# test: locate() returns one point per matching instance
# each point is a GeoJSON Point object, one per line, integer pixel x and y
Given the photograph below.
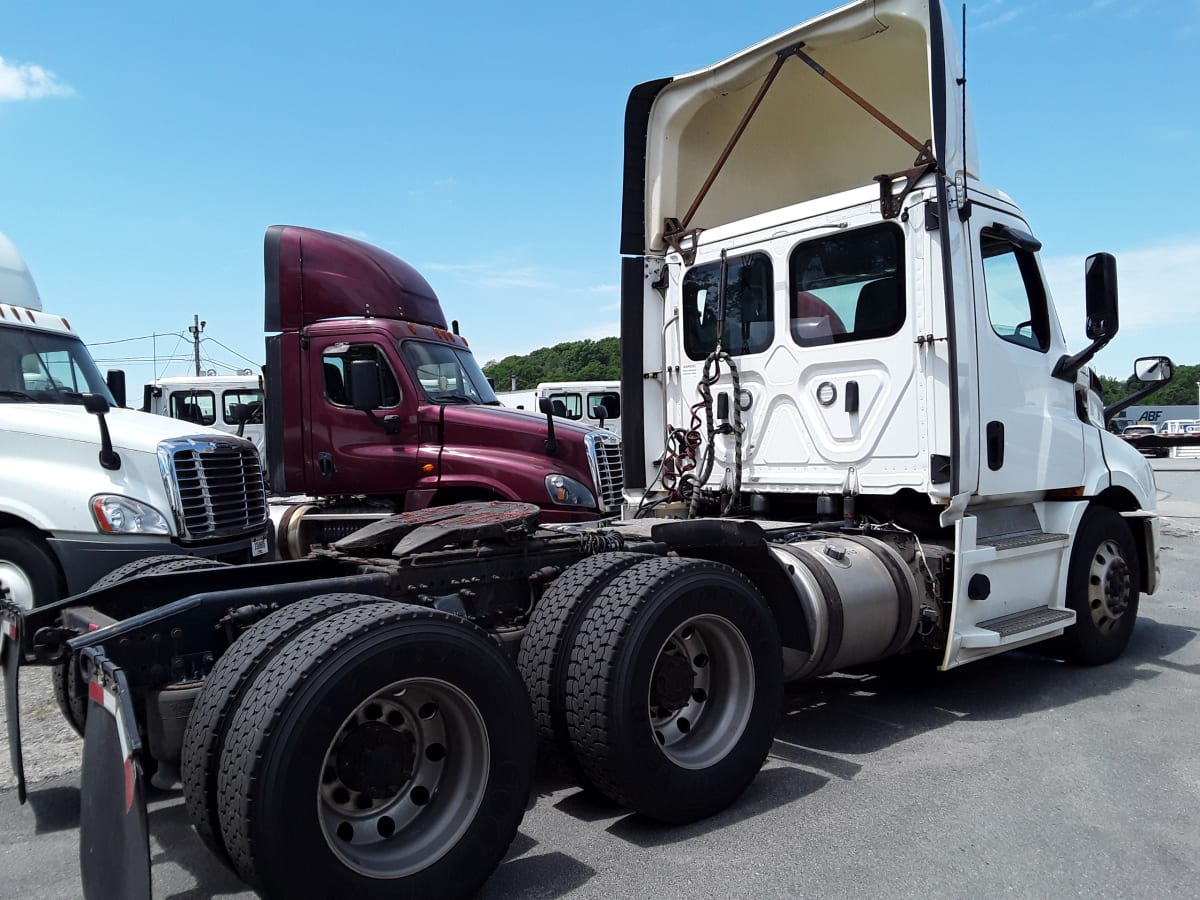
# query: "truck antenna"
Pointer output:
{"type": "Point", "coordinates": [962, 83]}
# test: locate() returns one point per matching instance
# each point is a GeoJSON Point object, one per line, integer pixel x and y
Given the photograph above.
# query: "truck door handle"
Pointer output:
{"type": "Point", "coordinates": [995, 445]}
{"type": "Point", "coordinates": [325, 464]}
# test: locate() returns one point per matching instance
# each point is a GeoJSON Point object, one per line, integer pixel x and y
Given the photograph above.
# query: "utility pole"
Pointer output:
{"type": "Point", "coordinates": [196, 328]}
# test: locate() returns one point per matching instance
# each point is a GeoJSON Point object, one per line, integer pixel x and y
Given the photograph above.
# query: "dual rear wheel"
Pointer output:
{"type": "Point", "coordinates": [394, 741]}
{"type": "Point", "coordinates": [658, 679]}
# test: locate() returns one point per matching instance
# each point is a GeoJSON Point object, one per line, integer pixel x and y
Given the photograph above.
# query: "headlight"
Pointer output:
{"type": "Point", "coordinates": [115, 514]}
{"type": "Point", "coordinates": [566, 491]}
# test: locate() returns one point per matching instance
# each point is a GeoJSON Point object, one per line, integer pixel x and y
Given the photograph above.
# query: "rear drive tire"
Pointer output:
{"type": "Point", "coordinates": [674, 688]}
{"type": "Point", "coordinates": [1103, 581]}
{"type": "Point", "coordinates": [223, 691]}
{"type": "Point", "coordinates": [385, 752]}
{"type": "Point", "coordinates": [70, 691]}
{"type": "Point", "coordinates": [546, 648]}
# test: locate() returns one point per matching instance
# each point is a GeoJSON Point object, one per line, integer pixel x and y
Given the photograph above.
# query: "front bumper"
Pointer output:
{"type": "Point", "coordinates": [84, 561]}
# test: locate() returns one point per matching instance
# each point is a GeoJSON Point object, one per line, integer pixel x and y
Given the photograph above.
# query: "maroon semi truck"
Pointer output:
{"type": "Point", "coordinates": [376, 406]}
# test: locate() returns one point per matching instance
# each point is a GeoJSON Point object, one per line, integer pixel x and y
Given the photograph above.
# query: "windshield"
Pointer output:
{"type": "Point", "coordinates": [41, 367]}
{"type": "Point", "coordinates": [447, 374]}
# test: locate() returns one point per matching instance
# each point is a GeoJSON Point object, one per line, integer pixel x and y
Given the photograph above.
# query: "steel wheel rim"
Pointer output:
{"type": "Point", "coordinates": [437, 757]}
{"type": "Point", "coordinates": [1110, 585]}
{"type": "Point", "coordinates": [701, 730]}
{"type": "Point", "coordinates": [15, 585]}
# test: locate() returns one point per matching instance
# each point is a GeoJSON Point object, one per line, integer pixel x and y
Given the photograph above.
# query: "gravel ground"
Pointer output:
{"type": "Point", "coordinates": [51, 747]}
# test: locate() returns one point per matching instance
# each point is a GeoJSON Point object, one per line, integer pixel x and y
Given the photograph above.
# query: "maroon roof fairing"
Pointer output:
{"type": "Point", "coordinates": [313, 275]}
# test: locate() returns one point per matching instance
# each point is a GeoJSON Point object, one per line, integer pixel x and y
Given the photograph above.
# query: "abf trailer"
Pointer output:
{"type": "Point", "coordinates": [849, 392]}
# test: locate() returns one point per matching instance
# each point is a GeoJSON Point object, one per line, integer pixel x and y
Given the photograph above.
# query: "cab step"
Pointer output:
{"type": "Point", "coordinates": [1017, 627]}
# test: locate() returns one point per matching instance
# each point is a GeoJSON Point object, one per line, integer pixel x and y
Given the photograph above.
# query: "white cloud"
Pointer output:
{"type": "Point", "coordinates": [1001, 18]}
{"type": "Point", "coordinates": [602, 289]}
{"type": "Point", "coordinates": [438, 184]}
{"type": "Point", "coordinates": [26, 81]}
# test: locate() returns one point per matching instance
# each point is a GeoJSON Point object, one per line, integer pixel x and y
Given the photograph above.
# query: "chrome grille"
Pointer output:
{"type": "Point", "coordinates": [604, 456]}
{"type": "Point", "coordinates": [217, 486]}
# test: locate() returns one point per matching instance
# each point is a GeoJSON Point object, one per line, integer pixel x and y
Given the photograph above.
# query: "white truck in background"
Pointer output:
{"type": "Point", "coordinates": [594, 403]}
{"type": "Point", "coordinates": [87, 486]}
{"type": "Point", "coordinates": [229, 403]}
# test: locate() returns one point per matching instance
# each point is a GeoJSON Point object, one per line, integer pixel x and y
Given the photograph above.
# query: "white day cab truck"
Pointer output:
{"type": "Point", "coordinates": [229, 403]}
{"type": "Point", "coordinates": [593, 403]}
{"type": "Point", "coordinates": [853, 430]}
{"type": "Point", "coordinates": [87, 487]}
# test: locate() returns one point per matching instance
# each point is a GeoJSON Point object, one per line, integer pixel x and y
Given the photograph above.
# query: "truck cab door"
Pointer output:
{"type": "Point", "coordinates": [352, 451]}
{"type": "Point", "coordinates": [1030, 435]}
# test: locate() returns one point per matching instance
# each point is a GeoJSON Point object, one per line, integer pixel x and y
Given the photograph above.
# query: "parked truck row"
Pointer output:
{"type": "Point", "coordinates": [852, 430]}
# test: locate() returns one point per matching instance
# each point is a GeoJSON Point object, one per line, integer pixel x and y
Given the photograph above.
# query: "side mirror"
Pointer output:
{"type": "Point", "coordinates": [1153, 372]}
{"type": "Point", "coordinates": [547, 409]}
{"type": "Point", "coordinates": [1100, 284]}
{"type": "Point", "coordinates": [1101, 289]}
{"type": "Point", "coordinates": [115, 379]}
{"type": "Point", "coordinates": [1153, 369]}
{"type": "Point", "coordinates": [95, 404]}
{"type": "Point", "coordinates": [365, 392]}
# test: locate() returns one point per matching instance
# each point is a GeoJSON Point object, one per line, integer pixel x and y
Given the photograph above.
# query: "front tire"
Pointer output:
{"type": "Point", "coordinates": [27, 569]}
{"type": "Point", "coordinates": [1102, 589]}
{"type": "Point", "coordinates": [674, 688]}
{"type": "Point", "coordinates": [387, 751]}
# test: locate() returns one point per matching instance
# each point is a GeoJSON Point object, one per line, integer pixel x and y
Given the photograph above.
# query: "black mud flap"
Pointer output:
{"type": "Point", "coordinates": [114, 839]}
{"type": "Point", "coordinates": [10, 662]}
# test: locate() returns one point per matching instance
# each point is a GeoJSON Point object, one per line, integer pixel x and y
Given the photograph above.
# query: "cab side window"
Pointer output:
{"type": "Point", "coordinates": [1016, 296]}
{"type": "Point", "coordinates": [747, 307]}
{"type": "Point", "coordinates": [847, 286]}
{"type": "Point", "coordinates": [335, 370]}
{"type": "Point", "coordinates": [567, 406]}
{"type": "Point", "coordinates": [197, 407]}
{"type": "Point", "coordinates": [250, 398]}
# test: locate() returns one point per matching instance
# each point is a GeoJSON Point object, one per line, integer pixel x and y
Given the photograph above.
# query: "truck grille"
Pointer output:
{"type": "Point", "coordinates": [604, 455]}
{"type": "Point", "coordinates": [216, 486]}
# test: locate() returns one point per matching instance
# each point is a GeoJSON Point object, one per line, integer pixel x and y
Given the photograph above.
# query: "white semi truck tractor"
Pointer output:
{"type": "Point", "coordinates": [853, 431]}
{"type": "Point", "coordinates": [87, 487]}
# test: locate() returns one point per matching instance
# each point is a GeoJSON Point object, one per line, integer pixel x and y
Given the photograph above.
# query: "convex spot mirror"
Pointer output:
{"type": "Point", "coordinates": [1153, 369]}
{"type": "Point", "coordinates": [1100, 277]}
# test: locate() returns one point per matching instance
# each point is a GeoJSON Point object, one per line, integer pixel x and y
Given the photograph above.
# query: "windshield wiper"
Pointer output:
{"type": "Point", "coordinates": [19, 395]}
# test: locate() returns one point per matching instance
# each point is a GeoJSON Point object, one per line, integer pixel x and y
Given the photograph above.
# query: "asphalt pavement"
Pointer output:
{"type": "Point", "coordinates": [1016, 776]}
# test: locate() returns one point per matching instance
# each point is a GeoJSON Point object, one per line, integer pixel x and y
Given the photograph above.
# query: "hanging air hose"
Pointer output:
{"type": "Point", "coordinates": [710, 376]}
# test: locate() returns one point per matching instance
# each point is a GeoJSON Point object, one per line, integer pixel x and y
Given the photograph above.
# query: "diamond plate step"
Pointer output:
{"type": "Point", "coordinates": [1016, 627]}
{"type": "Point", "coordinates": [1028, 539]}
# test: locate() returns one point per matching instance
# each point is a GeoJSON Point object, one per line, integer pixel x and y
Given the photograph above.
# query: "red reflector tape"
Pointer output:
{"type": "Point", "coordinates": [10, 629]}
{"type": "Point", "coordinates": [128, 784]}
{"type": "Point", "coordinates": [96, 692]}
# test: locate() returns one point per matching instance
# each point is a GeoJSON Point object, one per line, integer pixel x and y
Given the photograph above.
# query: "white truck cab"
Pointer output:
{"type": "Point", "coordinates": [826, 310]}
{"type": "Point", "coordinates": [87, 486]}
{"type": "Point", "coordinates": [594, 403]}
{"type": "Point", "coordinates": [214, 401]}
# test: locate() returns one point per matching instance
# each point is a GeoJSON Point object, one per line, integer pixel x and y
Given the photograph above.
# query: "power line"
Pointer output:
{"type": "Point", "coordinates": [144, 337]}
{"type": "Point", "coordinates": [231, 350]}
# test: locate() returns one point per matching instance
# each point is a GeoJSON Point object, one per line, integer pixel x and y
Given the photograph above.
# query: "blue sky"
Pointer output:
{"type": "Point", "coordinates": [145, 147]}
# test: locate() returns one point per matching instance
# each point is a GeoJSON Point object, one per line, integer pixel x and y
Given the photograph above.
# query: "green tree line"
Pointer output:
{"type": "Point", "coordinates": [569, 361]}
{"type": "Point", "coordinates": [601, 361]}
{"type": "Point", "coordinates": [1180, 392]}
